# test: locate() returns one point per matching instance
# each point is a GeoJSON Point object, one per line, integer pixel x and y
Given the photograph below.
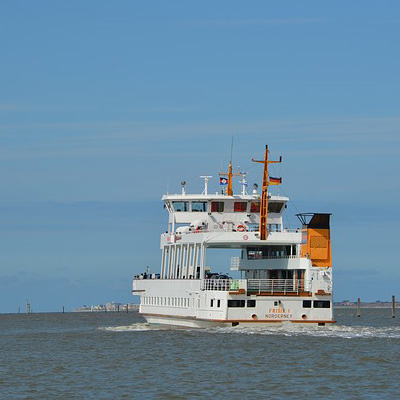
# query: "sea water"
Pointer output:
{"type": "Point", "coordinates": [118, 356]}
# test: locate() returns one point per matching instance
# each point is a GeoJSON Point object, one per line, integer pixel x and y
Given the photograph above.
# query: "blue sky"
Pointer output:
{"type": "Point", "coordinates": [104, 105]}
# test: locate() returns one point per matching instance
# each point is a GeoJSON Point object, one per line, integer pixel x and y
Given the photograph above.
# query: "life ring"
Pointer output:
{"type": "Point", "coordinates": [240, 228]}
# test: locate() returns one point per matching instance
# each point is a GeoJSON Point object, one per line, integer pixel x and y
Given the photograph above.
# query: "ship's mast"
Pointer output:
{"type": "Point", "coordinates": [230, 174]}
{"type": "Point", "coordinates": [264, 197]}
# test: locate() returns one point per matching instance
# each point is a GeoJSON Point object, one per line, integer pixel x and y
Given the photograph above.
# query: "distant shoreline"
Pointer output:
{"type": "Point", "coordinates": [367, 305]}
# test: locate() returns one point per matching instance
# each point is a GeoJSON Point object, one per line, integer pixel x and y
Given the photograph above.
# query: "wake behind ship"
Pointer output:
{"type": "Point", "coordinates": [286, 273]}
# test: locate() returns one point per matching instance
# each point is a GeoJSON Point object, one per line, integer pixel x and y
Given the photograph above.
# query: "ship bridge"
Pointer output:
{"type": "Point", "coordinates": [218, 212]}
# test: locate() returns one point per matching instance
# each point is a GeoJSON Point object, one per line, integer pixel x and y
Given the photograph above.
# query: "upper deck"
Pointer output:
{"type": "Point", "coordinates": [219, 211]}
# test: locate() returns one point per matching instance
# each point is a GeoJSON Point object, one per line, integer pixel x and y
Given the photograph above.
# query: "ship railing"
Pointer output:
{"type": "Point", "coordinates": [221, 284]}
{"type": "Point", "coordinates": [226, 228]}
{"type": "Point", "coordinates": [257, 257]}
{"type": "Point", "coordinates": [259, 286]}
{"type": "Point", "coordinates": [281, 286]}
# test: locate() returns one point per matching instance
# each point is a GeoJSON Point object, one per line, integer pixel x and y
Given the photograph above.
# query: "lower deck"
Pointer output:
{"type": "Point", "coordinates": [200, 302]}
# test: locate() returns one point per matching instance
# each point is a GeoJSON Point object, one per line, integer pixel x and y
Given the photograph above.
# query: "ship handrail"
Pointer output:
{"type": "Point", "coordinates": [279, 285]}
{"type": "Point", "coordinates": [274, 257]}
{"type": "Point", "coordinates": [258, 286]}
{"type": "Point", "coordinates": [231, 230]}
{"type": "Point", "coordinates": [223, 285]}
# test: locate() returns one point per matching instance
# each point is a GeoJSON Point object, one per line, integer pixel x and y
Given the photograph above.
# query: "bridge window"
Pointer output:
{"type": "Point", "coordinates": [180, 206]}
{"type": "Point", "coordinates": [255, 207]}
{"type": "Point", "coordinates": [254, 253]}
{"type": "Point", "coordinates": [275, 207]}
{"type": "Point", "coordinates": [240, 206]}
{"type": "Point", "coordinates": [217, 206]}
{"type": "Point", "coordinates": [199, 206]}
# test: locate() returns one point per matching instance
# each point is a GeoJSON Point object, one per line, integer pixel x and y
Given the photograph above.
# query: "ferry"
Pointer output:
{"type": "Point", "coordinates": [285, 274]}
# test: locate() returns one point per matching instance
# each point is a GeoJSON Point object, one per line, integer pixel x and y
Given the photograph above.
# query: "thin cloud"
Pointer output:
{"type": "Point", "coordinates": [176, 109]}
{"type": "Point", "coordinates": [131, 137]}
{"type": "Point", "coordinates": [230, 23]}
{"type": "Point", "coordinates": [11, 107]}
{"type": "Point", "coordinates": [334, 126]}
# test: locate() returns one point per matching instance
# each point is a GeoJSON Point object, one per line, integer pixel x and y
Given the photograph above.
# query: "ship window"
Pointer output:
{"type": "Point", "coordinates": [239, 206]}
{"type": "Point", "coordinates": [199, 206]}
{"type": "Point", "coordinates": [236, 303]}
{"type": "Point", "coordinates": [251, 303]}
{"type": "Point", "coordinates": [306, 303]}
{"type": "Point", "coordinates": [322, 304]}
{"type": "Point", "coordinates": [275, 207]}
{"type": "Point", "coordinates": [217, 206]}
{"type": "Point", "coordinates": [256, 253]}
{"type": "Point", "coordinates": [180, 206]}
{"type": "Point", "coordinates": [218, 303]}
{"type": "Point", "coordinates": [255, 207]}
{"type": "Point", "coordinates": [212, 303]}
{"type": "Point", "coordinates": [287, 274]}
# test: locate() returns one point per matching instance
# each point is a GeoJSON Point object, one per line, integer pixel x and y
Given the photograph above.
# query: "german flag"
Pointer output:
{"type": "Point", "coordinates": [275, 181]}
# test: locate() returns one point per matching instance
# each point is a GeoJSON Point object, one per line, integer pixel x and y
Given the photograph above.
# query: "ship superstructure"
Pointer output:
{"type": "Point", "coordinates": [286, 274]}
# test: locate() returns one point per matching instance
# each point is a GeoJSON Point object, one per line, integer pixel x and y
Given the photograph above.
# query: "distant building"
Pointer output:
{"type": "Point", "coordinates": [108, 307]}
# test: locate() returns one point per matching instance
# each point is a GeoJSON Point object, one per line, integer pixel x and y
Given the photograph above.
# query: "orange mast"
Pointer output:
{"type": "Point", "coordinates": [264, 197]}
{"type": "Point", "coordinates": [230, 174]}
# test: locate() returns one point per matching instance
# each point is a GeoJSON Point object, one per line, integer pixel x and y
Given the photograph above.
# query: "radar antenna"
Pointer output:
{"type": "Point", "coordinates": [206, 179]}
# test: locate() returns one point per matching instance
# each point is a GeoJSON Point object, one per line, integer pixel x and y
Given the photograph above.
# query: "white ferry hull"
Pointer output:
{"type": "Point", "coordinates": [180, 322]}
{"type": "Point", "coordinates": [188, 322]}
